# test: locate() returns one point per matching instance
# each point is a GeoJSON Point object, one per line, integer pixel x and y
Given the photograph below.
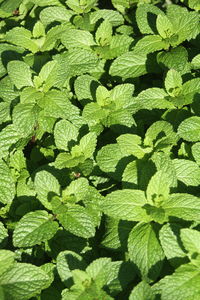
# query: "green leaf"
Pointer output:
{"type": "Point", "coordinates": [21, 37]}
{"type": "Point", "coordinates": [46, 185]}
{"type": "Point", "coordinates": [196, 62]}
{"type": "Point", "coordinates": [46, 2]}
{"type": "Point", "coordinates": [7, 187]}
{"type": "Point", "coordinates": [182, 206]}
{"type": "Point", "coordinates": [9, 5]}
{"type": "Point", "coordinates": [7, 259]}
{"type": "Point", "coordinates": [75, 62]}
{"type": "Point", "coordinates": [88, 144]}
{"type": "Point", "coordinates": [38, 30]}
{"type": "Point", "coordinates": [161, 135]}
{"type": "Point", "coordinates": [169, 236]}
{"type": "Point", "coordinates": [145, 17]}
{"type": "Point", "coordinates": [114, 17]}
{"type": "Point", "coordinates": [65, 133]}
{"type": "Point", "coordinates": [129, 65]}
{"type": "Point", "coordinates": [187, 171]}
{"type": "Point", "coordinates": [34, 228]}
{"type": "Point", "coordinates": [130, 144]}
{"type": "Point", "coordinates": [3, 235]}
{"type": "Point", "coordinates": [196, 152]}
{"type": "Point", "coordinates": [184, 22]}
{"type": "Point", "coordinates": [191, 240]}
{"type": "Point", "coordinates": [81, 7]}
{"type": "Point", "coordinates": [57, 105]}
{"type": "Point", "coordinates": [149, 44]}
{"type": "Point", "coordinates": [8, 137]}
{"type": "Point", "coordinates": [104, 33]}
{"type": "Point", "coordinates": [189, 129]}
{"type": "Point", "coordinates": [66, 262]}
{"type": "Point", "coordinates": [173, 83]}
{"type": "Point", "coordinates": [183, 284]}
{"type": "Point", "coordinates": [108, 157]}
{"type": "Point", "coordinates": [116, 233]}
{"type": "Point", "coordinates": [20, 74]}
{"type": "Point", "coordinates": [85, 87]}
{"type": "Point", "coordinates": [77, 221]}
{"type": "Point", "coordinates": [23, 281]}
{"type": "Point", "coordinates": [158, 188]}
{"type": "Point", "coordinates": [175, 58]}
{"type": "Point", "coordinates": [142, 291]}
{"type": "Point", "coordinates": [164, 26]}
{"type": "Point", "coordinates": [75, 38]}
{"type": "Point", "coordinates": [153, 98]}
{"type": "Point", "coordinates": [25, 118]}
{"type": "Point", "coordinates": [48, 75]}
{"type": "Point", "coordinates": [126, 205]}
{"type": "Point", "coordinates": [50, 14]}
{"type": "Point", "coordinates": [145, 251]}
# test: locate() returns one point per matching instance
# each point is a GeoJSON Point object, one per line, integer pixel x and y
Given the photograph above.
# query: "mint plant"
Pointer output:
{"type": "Point", "coordinates": [99, 149]}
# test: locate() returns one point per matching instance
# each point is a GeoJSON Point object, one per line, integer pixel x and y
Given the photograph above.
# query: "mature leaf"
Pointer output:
{"type": "Point", "coordinates": [149, 44]}
{"type": "Point", "coordinates": [146, 18]}
{"type": "Point", "coordinates": [169, 236]}
{"type": "Point", "coordinates": [21, 37]}
{"type": "Point", "coordinates": [51, 14]}
{"type": "Point", "coordinates": [78, 221]}
{"type": "Point", "coordinates": [23, 281]}
{"type": "Point", "coordinates": [142, 291]}
{"type": "Point", "coordinates": [3, 235]}
{"type": "Point", "coordinates": [66, 262]}
{"type": "Point", "coordinates": [145, 250]}
{"type": "Point", "coordinates": [34, 228]}
{"type": "Point", "coordinates": [126, 205]}
{"type": "Point", "coordinates": [108, 157]}
{"type": "Point", "coordinates": [153, 98]}
{"type": "Point", "coordinates": [187, 171]}
{"type": "Point", "coordinates": [189, 129]}
{"type": "Point", "coordinates": [182, 284]}
{"type": "Point", "coordinates": [64, 134]}
{"type": "Point", "coordinates": [46, 186]}
{"type": "Point", "coordinates": [6, 261]}
{"type": "Point", "coordinates": [182, 206]}
{"type": "Point", "coordinates": [191, 240]}
{"type": "Point", "coordinates": [114, 17]}
{"type": "Point", "coordinates": [129, 65]}
{"type": "Point", "coordinates": [20, 73]}
{"type": "Point", "coordinates": [74, 38]}
{"type": "Point", "coordinates": [7, 187]}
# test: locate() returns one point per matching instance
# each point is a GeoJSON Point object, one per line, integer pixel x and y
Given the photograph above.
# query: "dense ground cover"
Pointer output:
{"type": "Point", "coordinates": [99, 150]}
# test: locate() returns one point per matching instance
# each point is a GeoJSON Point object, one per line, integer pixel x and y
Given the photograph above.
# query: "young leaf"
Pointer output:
{"type": "Point", "coordinates": [164, 27]}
